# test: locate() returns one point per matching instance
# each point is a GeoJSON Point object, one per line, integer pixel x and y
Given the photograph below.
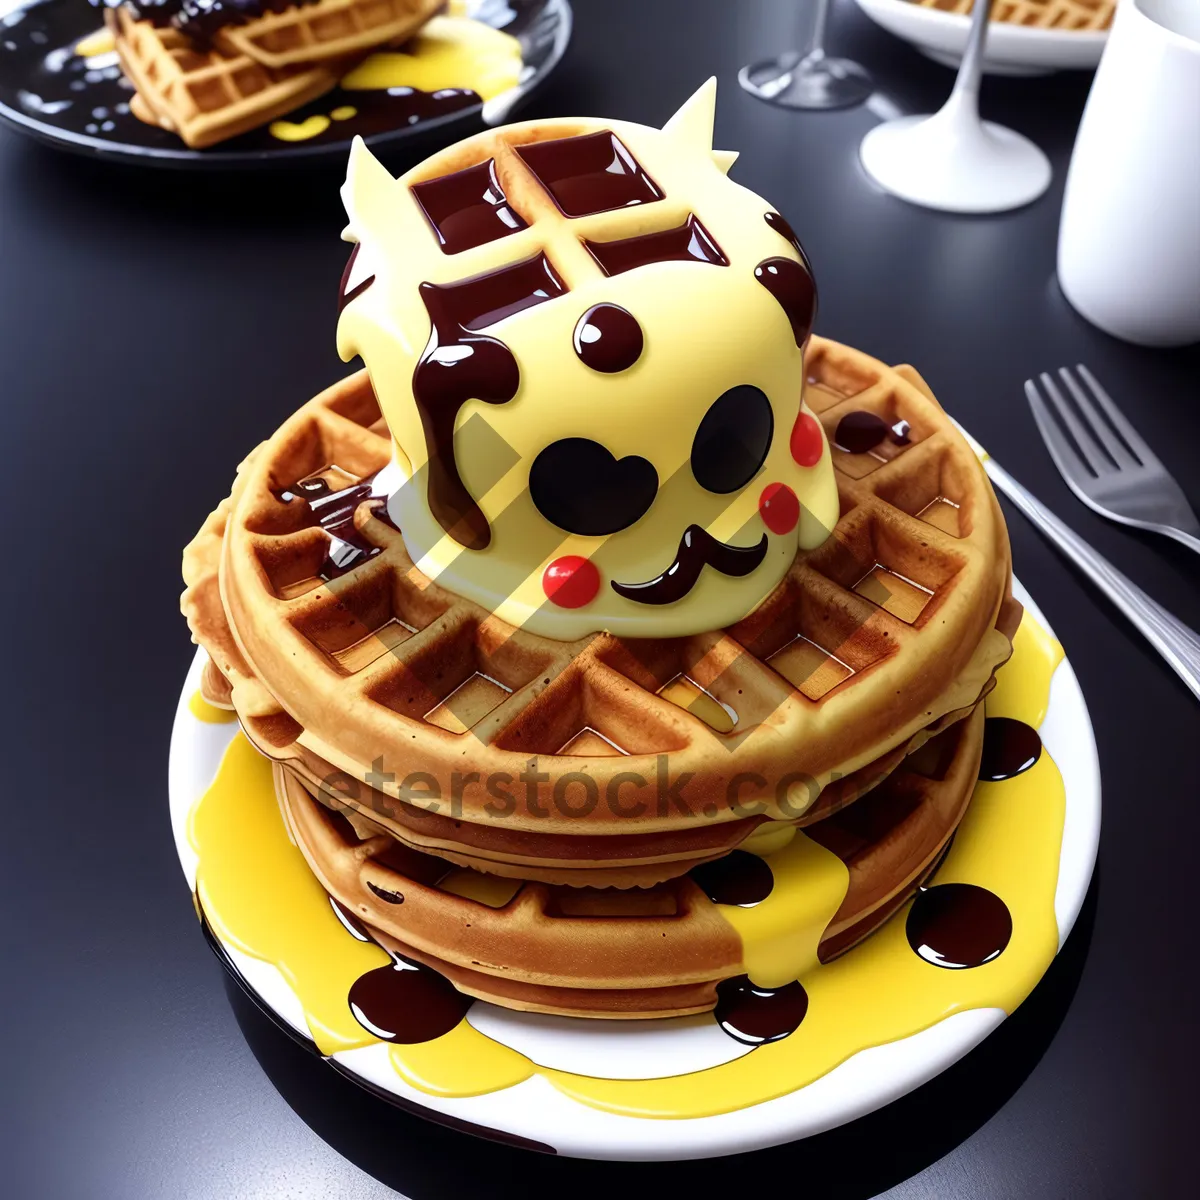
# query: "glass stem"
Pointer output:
{"type": "Point", "coordinates": [816, 49]}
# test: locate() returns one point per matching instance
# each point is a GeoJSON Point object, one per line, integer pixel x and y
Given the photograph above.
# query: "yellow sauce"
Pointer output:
{"type": "Point", "coordinates": [301, 131]}
{"type": "Point", "coordinates": [210, 714]}
{"type": "Point", "coordinates": [100, 42]}
{"type": "Point", "coordinates": [449, 52]}
{"type": "Point", "coordinates": [260, 896]}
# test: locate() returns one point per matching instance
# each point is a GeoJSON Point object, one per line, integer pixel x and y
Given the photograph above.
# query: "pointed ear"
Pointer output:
{"type": "Point", "coordinates": [366, 192]}
{"type": "Point", "coordinates": [693, 123]}
{"type": "Point", "coordinates": [724, 160]}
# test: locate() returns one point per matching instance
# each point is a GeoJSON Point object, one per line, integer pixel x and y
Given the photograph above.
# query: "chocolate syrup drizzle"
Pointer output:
{"type": "Point", "coordinates": [755, 1015]}
{"type": "Point", "coordinates": [860, 431]}
{"type": "Point", "coordinates": [958, 925]}
{"type": "Point", "coordinates": [739, 878]}
{"type": "Point", "coordinates": [780, 225]}
{"type": "Point", "coordinates": [792, 286]}
{"type": "Point", "coordinates": [202, 20]}
{"type": "Point", "coordinates": [1010, 748]}
{"type": "Point", "coordinates": [689, 242]}
{"type": "Point", "coordinates": [344, 296]}
{"type": "Point", "coordinates": [460, 365]}
{"type": "Point", "coordinates": [608, 339]}
{"type": "Point", "coordinates": [407, 1002]}
{"type": "Point", "coordinates": [697, 549]}
{"type": "Point", "coordinates": [334, 512]}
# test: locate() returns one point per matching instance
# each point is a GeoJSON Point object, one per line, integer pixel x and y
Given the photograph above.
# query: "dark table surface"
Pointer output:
{"type": "Point", "coordinates": [154, 327]}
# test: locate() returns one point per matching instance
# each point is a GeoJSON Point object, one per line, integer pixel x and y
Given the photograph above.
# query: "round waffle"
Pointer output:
{"type": "Point", "coordinates": [658, 951]}
{"type": "Point", "coordinates": [868, 642]}
{"type": "Point", "coordinates": [1079, 15]}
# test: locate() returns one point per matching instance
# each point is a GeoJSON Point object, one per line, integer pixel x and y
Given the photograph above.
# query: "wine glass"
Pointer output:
{"type": "Point", "coordinates": [812, 80]}
{"type": "Point", "coordinates": [953, 161]}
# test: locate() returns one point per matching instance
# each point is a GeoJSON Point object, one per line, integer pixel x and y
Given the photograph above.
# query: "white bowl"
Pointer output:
{"type": "Point", "coordinates": [1011, 49]}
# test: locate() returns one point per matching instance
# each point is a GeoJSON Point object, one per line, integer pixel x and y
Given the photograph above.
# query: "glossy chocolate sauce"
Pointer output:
{"type": "Point", "coordinates": [608, 339]}
{"type": "Point", "coordinates": [460, 365]}
{"type": "Point", "coordinates": [792, 286]}
{"type": "Point", "coordinates": [202, 20]}
{"type": "Point", "coordinates": [350, 920]}
{"type": "Point", "coordinates": [334, 513]}
{"type": "Point", "coordinates": [859, 432]}
{"type": "Point", "coordinates": [739, 878]}
{"type": "Point", "coordinates": [697, 549]}
{"type": "Point", "coordinates": [755, 1015]}
{"type": "Point", "coordinates": [590, 174]}
{"type": "Point", "coordinates": [958, 925]}
{"type": "Point", "coordinates": [1010, 748]}
{"type": "Point", "coordinates": [344, 295]}
{"type": "Point", "coordinates": [689, 242]}
{"type": "Point", "coordinates": [781, 226]}
{"type": "Point", "coordinates": [407, 1003]}
{"type": "Point", "coordinates": [468, 208]}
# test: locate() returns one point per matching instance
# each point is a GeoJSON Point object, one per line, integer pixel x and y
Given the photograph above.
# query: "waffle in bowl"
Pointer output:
{"type": "Point", "coordinates": [204, 94]}
{"type": "Point", "coordinates": [1089, 16]}
{"type": "Point", "coordinates": [653, 952]}
{"type": "Point", "coordinates": [378, 667]}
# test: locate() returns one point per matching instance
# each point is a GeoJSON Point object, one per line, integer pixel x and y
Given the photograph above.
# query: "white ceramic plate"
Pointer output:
{"type": "Point", "coordinates": [572, 1055]}
{"type": "Point", "coordinates": [1011, 49]}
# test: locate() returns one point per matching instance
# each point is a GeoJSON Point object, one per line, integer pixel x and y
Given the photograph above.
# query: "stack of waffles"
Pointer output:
{"type": "Point", "coordinates": [210, 71]}
{"type": "Point", "coordinates": [431, 759]}
{"type": "Point", "coordinates": [1083, 16]}
{"type": "Point", "coordinates": [617, 824]}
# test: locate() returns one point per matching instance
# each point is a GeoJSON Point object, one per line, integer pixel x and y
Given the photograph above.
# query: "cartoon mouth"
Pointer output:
{"type": "Point", "coordinates": [697, 549]}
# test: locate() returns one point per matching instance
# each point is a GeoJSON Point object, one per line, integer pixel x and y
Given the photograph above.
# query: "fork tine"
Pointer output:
{"type": "Point", "coordinates": [1133, 439]}
{"type": "Point", "coordinates": [1088, 446]}
{"type": "Point", "coordinates": [1098, 425]}
{"type": "Point", "coordinates": [1065, 457]}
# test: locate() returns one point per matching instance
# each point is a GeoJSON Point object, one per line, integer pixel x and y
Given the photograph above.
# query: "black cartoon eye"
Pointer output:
{"type": "Point", "coordinates": [578, 486]}
{"type": "Point", "coordinates": [733, 439]}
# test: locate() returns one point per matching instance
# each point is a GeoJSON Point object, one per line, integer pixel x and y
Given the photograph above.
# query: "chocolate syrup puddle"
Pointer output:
{"type": "Point", "coordinates": [689, 242]}
{"type": "Point", "coordinates": [859, 432]}
{"type": "Point", "coordinates": [407, 1003]}
{"type": "Point", "coordinates": [594, 173]}
{"type": "Point", "coordinates": [958, 925]}
{"type": "Point", "coordinates": [608, 339]}
{"type": "Point", "coordinates": [755, 1015]}
{"type": "Point", "coordinates": [334, 512]}
{"type": "Point", "coordinates": [697, 549]}
{"type": "Point", "coordinates": [467, 208]}
{"type": "Point", "coordinates": [460, 365]}
{"type": "Point", "coordinates": [1010, 748]}
{"type": "Point", "coordinates": [792, 286]}
{"type": "Point", "coordinates": [739, 878]}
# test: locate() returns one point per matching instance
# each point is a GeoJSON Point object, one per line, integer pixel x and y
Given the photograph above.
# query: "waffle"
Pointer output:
{"type": "Point", "coordinates": [324, 31]}
{"type": "Point", "coordinates": [1084, 16]}
{"type": "Point", "coordinates": [651, 952]}
{"type": "Point", "coordinates": [382, 666]}
{"type": "Point", "coordinates": [207, 96]}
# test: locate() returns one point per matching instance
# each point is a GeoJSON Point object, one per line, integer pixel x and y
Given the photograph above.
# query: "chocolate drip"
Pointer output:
{"type": "Point", "coordinates": [792, 286]}
{"type": "Point", "coordinates": [468, 208]}
{"type": "Point", "coordinates": [781, 226]}
{"type": "Point", "coordinates": [594, 173]}
{"type": "Point", "coordinates": [1010, 748]}
{"type": "Point", "coordinates": [350, 920]}
{"type": "Point", "coordinates": [958, 925]}
{"type": "Point", "coordinates": [608, 339]}
{"type": "Point", "coordinates": [459, 365]}
{"type": "Point", "coordinates": [859, 432]}
{"type": "Point", "coordinates": [697, 549]}
{"type": "Point", "coordinates": [689, 242]}
{"type": "Point", "coordinates": [202, 20]}
{"type": "Point", "coordinates": [739, 878]}
{"type": "Point", "coordinates": [334, 512]}
{"type": "Point", "coordinates": [757, 1015]}
{"type": "Point", "coordinates": [344, 296]}
{"type": "Point", "coordinates": [407, 1003]}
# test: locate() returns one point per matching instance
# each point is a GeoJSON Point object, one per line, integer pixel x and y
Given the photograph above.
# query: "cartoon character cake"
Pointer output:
{"type": "Point", "coordinates": [619, 645]}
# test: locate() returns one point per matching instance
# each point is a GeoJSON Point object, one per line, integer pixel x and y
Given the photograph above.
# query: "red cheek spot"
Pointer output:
{"type": "Point", "coordinates": [779, 508]}
{"type": "Point", "coordinates": [571, 581]}
{"type": "Point", "coordinates": [807, 442]}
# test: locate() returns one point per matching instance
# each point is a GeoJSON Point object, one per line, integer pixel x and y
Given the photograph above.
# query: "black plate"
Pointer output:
{"type": "Point", "coordinates": [47, 91]}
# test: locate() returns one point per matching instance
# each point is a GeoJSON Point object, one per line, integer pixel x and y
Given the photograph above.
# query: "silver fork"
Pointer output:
{"type": "Point", "coordinates": [1113, 471]}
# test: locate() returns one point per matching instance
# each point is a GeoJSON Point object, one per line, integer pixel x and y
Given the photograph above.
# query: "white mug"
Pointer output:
{"type": "Point", "coordinates": [1129, 243]}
